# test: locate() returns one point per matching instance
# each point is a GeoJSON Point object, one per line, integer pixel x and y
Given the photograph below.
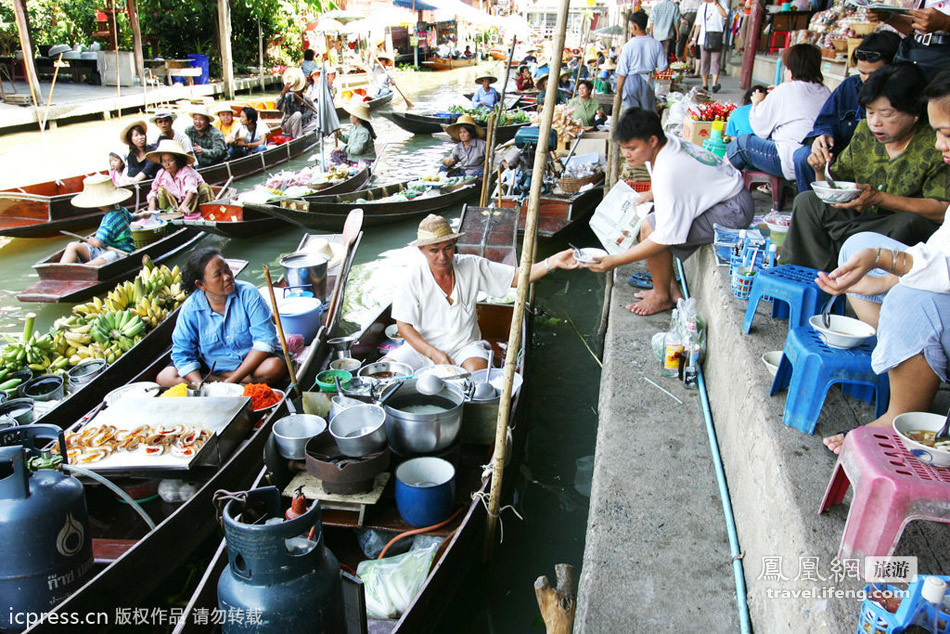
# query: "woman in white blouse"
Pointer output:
{"type": "Point", "coordinates": [905, 292]}
{"type": "Point", "coordinates": [709, 27]}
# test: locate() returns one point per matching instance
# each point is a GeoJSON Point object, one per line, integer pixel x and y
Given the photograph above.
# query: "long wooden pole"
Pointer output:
{"type": "Point", "coordinates": [490, 148]}
{"type": "Point", "coordinates": [224, 35]}
{"type": "Point", "coordinates": [613, 160]}
{"type": "Point", "coordinates": [29, 63]}
{"type": "Point", "coordinates": [590, 26]}
{"type": "Point", "coordinates": [393, 80]}
{"type": "Point", "coordinates": [486, 171]}
{"type": "Point", "coordinates": [137, 41]}
{"type": "Point", "coordinates": [524, 271]}
{"type": "Point", "coordinates": [280, 331]}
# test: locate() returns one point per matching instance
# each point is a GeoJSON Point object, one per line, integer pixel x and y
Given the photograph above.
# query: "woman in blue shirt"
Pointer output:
{"type": "Point", "coordinates": [224, 323]}
{"type": "Point", "coordinates": [738, 123]}
{"type": "Point", "coordinates": [485, 95]}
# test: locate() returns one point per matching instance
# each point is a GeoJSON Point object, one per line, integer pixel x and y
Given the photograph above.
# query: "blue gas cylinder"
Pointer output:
{"type": "Point", "coordinates": [280, 577]}
{"type": "Point", "coordinates": [45, 545]}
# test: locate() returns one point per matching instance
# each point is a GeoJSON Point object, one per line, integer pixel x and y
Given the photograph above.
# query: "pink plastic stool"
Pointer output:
{"type": "Point", "coordinates": [777, 183]}
{"type": "Point", "coordinates": [891, 488]}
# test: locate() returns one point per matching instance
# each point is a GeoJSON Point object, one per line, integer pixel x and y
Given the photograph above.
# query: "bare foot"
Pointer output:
{"type": "Point", "coordinates": [642, 294]}
{"type": "Point", "coordinates": [650, 304]}
{"type": "Point", "coordinates": [834, 443]}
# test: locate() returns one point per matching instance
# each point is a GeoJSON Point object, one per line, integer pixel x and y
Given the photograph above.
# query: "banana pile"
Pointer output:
{"type": "Point", "coordinates": [100, 328]}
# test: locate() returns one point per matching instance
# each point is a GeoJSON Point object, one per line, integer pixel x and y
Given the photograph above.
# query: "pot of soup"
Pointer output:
{"type": "Point", "coordinates": [385, 371]}
{"type": "Point", "coordinates": [418, 423]}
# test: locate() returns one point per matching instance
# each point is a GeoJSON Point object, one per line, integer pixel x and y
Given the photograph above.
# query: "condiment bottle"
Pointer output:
{"type": "Point", "coordinates": [673, 348]}
{"type": "Point", "coordinates": [927, 610]}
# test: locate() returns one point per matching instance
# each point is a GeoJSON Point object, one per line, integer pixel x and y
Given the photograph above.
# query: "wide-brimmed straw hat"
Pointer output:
{"type": "Point", "coordinates": [453, 129]}
{"type": "Point", "coordinates": [491, 79]}
{"type": "Point", "coordinates": [223, 108]}
{"type": "Point", "coordinates": [294, 78]}
{"type": "Point", "coordinates": [168, 146]}
{"type": "Point", "coordinates": [542, 77]}
{"type": "Point", "coordinates": [203, 112]}
{"type": "Point", "coordinates": [98, 190]}
{"type": "Point", "coordinates": [433, 230]}
{"type": "Point", "coordinates": [385, 56]}
{"type": "Point", "coordinates": [163, 114]}
{"type": "Point", "coordinates": [608, 65]}
{"type": "Point", "coordinates": [357, 108]}
{"type": "Point", "coordinates": [124, 134]}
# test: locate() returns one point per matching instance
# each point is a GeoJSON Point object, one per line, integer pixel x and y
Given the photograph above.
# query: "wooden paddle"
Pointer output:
{"type": "Point", "coordinates": [280, 331]}
{"type": "Point", "coordinates": [351, 230]}
{"type": "Point", "coordinates": [118, 252]}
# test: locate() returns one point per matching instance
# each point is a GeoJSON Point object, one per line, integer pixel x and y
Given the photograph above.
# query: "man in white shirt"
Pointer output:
{"type": "Point", "coordinates": [692, 189]}
{"type": "Point", "coordinates": [640, 57]}
{"type": "Point", "coordinates": [435, 307]}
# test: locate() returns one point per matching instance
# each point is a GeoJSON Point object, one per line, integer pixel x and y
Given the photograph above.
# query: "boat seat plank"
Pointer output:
{"type": "Point", "coordinates": [105, 551]}
{"type": "Point", "coordinates": [54, 290]}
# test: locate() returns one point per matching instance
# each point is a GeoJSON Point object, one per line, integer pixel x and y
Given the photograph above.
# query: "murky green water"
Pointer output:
{"type": "Point", "coordinates": [561, 400]}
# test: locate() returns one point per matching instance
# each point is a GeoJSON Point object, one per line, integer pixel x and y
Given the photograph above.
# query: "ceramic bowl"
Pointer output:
{"type": "Point", "coordinates": [843, 332]}
{"type": "Point", "coordinates": [845, 192]}
{"type": "Point", "coordinates": [771, 361]}
{"type": "Point", "coordinates": [392, 331]}
{"type": "Point", "coordinates": [912, 421]}
{"type": "Point", "coordinates": [588, 255]}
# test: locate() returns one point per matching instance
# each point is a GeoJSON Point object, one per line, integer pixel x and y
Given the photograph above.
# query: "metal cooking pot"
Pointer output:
{"type": "Point", "coordinates": [413, 432]}
{"type": "Point", "coordinates": [85, 372]}
{"type": "Point", "coordinates": [308, 270]}
{"type": "Point", "coordinates": [396, 369]}
{"type": "Point", "coordinates": [359, 430]}
{"type": "Point", "coordinates": [340, 402]}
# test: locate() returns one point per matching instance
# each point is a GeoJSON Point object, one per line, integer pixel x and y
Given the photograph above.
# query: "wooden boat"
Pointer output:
{"type": "Point", "coordinates": [132, 564]}
{"type": "Point", "coordinates": [228, 218]}
{"type": "Point", "coordinates": [511, 99]}
{"type": "Point", "coordinates": [43, 209]}
{"type": "Point", "coordinates": [419, 123]}
{"type": "Point", "coordinates": [372, 104]}
{"type": "Point", "coordinates": [558, 212]}
{"type": "Point", "coordinates": [440, 63]}
{"type": "Point", "coordinates": [491, 233]}
{"type": "Point", "coordinates": [498, 54]}
{"type": "Point", "coordinates": [329, 212]}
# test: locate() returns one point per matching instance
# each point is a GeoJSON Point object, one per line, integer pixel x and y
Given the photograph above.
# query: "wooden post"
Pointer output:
{"type": "Point", "coordinates": [590, 27]}
{"type": "Point", "coordinates": [137, 42]}
{"type": "Point", "coordinates": [557, 605]}
{"type": "Point", "coordinates": [613, 159]}
{"type": "Point", "coordinates": [524, 271]}
{"type": "Point", "coordinates": [23, 31]}
{"type": "Point", "coordinates": [224, 33]}
{"type": "Point", "coordinates": [752, 34]}
{"type": "Point", "coordinates": [486, 171]}
{"type": "Point", "coordinates": [260, 54]}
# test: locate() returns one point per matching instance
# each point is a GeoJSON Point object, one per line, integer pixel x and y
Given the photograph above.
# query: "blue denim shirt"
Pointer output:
{"type": "Point", "coordinates": [203, 336]}
{"type": "Point", "coordinates": [840, 114]}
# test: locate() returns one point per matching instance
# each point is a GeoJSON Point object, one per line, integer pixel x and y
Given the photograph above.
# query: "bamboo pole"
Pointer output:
{"type": "Point", "coordinates": [583, 62]}
{"type": "Point", "coordinates": [528, 248]}
{"type": "Point", "coordinates": [29, 62]}
{"type": "Point", "coordinates": [486, 171]}
{"type": "Point", "coordinates": [490, 148]}
{"type": "Point", "coordinates": [224, 44]}
{"type": "Point", "coordinates": [137, 41]}
{"type": "Point", "coordinates": [614, 154]}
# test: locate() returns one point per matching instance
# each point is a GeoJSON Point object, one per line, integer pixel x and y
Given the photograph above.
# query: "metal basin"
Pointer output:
{"type": "Point", "coordinates": [307, 270]}
{"type": "Point", "coordinates": [85, 372]}
{"type": "Point", "coordinates": [359, 430]}
{"type": "Point", "coordinates": [420, 423]}
{"type": "Point", "coordinates": [291, 433]}
{"type": "Point", "coordinates": [385, 371]}
{"type": "Point", "coordinates": [49, 387]}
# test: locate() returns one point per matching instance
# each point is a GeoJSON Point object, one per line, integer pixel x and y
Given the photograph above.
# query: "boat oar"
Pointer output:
{"type": "Point", "coordinates": [280, 331]}
{"type": "Point", "coordinates": [351, 230]}
{"type": "Point", "coordinates": [118, 252]}
{"type": "Point", "coordinates": [379, 155]}
{"type": "Point", "coordinates": [395, 85]}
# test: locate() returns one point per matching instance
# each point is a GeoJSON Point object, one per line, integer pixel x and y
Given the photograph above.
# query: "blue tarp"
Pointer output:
{"type": "Point", "coordinates": [418, 5]}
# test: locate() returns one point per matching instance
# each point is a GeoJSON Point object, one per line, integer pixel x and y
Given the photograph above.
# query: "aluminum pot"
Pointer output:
{"type": "Point", "coordinates": [48, 387]}
{"type": "Point", "coordinates": [340, 402]}
{"type": "Point", "coordinates": [412, 432]}
{"type": "Point", "coordinates": [359, 430]}
{"type": "Point", "coordinates": [385, 371]}
{"type": "Point", "coordinates": [85, 372]}
{"type": "Point", "coordinates": [291, 433]}
{"type": "Point", "coordinates": [307, 270]}
{"type": "Point", "coordinates": [19, 409]}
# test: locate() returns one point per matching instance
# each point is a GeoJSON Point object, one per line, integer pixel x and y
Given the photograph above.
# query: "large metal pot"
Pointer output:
{"type": "Point", "coordinates": [412, 430]}
{"type": "Point", "coordinates": [308, 270]}
{"type": "Point", "coordinates": [359, 430]}
{"type": "Point", "coordinates": [385, 371]}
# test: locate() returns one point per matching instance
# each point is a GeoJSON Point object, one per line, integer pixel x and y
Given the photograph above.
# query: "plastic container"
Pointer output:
{"type": "Point", "coordinates": [202, 62]}
{"type": "Point", "coordinates": [326, 382]}
{"type": "Point", "coordinates": [742, 282]}
{"type": "Point", "coordinates": [715, 144]}
{"type": "Point", "coordinates": [874, 618]}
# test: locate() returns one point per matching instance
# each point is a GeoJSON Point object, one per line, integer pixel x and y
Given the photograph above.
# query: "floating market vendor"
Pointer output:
{"type": "Point", "coordinates": [98, 191]}
{"type": "Point", "coordinates": [523, 81]}
{"type": "Point", "coordinates": [359, 139]}
{"type": "Point", "coordinates": [435, 304]}
{"type": "Point", "coordinates": [584, 107]}
{"type": "Point", "coordinates": [381, 80]}
{"type": "Point", "coordinates": [692, 189]}
{"type": "Point", "coordinates": [903, 289]}
{"type": "Point", "coordinates": [904, 182]}
{"type": "Point", "coordinates": [228, 126]}
{"type": "Point", "coordinates": [530, 57]}
{"type": "Point", "coordinates": [298, 110]}
{"type": "Point", "coordinates": [178, 186]}
{"type": "Point", "coordinates": [138, 168]}
{"type": "Point", "coordinates": [542, 84]}
{"type": "Point", "coordinates": [468, 153]}
{"type": "Point", "coordinates": [485, 95]}
{"type": "Point", "coordinates": [164, 120]}
{"type": "Point", "coordinates": [604, 85]}
{"type": "Point", "coordinates": [209, 144]}
{"type": "Point", "coordinates": [224, 323]}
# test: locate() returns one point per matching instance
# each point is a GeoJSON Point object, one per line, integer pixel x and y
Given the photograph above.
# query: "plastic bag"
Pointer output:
{"type": "Point", "coordinates": [390, 584]}
{"type": "Point", "coordinates": [372, 543]}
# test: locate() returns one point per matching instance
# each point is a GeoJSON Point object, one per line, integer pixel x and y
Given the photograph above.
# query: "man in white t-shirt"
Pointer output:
{"type": "Point", "coordinates": [435, 306]}
{"type": "Point", "coordinates": [692, 189]}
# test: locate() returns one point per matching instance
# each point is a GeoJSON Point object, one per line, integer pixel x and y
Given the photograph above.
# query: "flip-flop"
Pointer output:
{"type": "Point", "coordinates": [640, 280]}
{"type": "Point", "coordinates": [843, 432]}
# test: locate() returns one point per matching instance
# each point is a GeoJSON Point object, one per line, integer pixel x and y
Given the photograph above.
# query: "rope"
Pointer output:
{"type": "Point", "coordinates": [482, 497]}
{"type": "Point", "coordinates": [222, 497]}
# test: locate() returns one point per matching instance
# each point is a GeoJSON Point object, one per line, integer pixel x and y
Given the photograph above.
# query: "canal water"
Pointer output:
{"type": "Point", "coordinates": [553, 483]}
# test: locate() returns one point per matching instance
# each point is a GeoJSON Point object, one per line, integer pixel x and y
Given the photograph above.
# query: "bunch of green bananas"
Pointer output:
{"type": "Point", "coordinates": [116, 326]}
{"type": "Point", "coordinates": [36, 352]}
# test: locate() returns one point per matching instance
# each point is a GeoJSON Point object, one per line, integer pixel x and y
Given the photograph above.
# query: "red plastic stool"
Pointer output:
{"type": "Point", "coordinates": [786, 37]}
{"type": "Point", "coordinates": [777, 183]}
{"type": "Point", "coordinates": [891, 488]}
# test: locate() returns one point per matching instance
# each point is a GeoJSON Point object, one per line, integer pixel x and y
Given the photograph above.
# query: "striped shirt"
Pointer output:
{"type": "Point", "coordinates": [114, 230]}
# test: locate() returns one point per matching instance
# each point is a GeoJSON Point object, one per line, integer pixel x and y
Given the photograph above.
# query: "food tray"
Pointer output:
{"type": "Point", "coordinates": [227, 418]}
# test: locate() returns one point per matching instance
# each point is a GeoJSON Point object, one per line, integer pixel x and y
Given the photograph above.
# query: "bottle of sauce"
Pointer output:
{"type": "Point", "coordinates": [927, 610]}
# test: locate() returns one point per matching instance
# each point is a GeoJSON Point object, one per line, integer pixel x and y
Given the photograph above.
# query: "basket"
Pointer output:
{"type": "Point", "coordinates": [640, 186]}
{"type": "Point", "coordinates": [874, 619]}
{"type": "Point", "coordinates": [145, 237]}
{"type": "Point", "coordinates": [572, 185]}
{"type": "Point", "coordinates": [742, 284]}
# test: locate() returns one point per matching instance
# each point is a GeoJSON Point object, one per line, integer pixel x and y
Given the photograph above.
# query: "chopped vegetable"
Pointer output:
{"type": "Point", "coordinates": [261, 395]}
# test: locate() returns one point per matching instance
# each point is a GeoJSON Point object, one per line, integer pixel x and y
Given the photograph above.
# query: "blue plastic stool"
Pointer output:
{"type": "Point", "coordinates": [795, 295]}
{"type": "Point", "coordinates": [809, 367]}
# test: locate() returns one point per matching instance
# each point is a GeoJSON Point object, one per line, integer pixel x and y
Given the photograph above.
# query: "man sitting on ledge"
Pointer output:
{"type": "Point", "coordinates": [435, 306]}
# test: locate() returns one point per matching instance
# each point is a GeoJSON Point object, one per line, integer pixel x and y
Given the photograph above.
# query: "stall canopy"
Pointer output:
{"type": "Point", "coordinates": [416, 5]}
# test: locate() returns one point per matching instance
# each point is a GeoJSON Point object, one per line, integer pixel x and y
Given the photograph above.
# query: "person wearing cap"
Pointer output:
{"type": "Point", "coordinates": [523, 81]}
{"type": "Point", "coordinates": [208, 142]}
{"type": "Point", "coordinates": [435, 305]}
{"type": "Point", "coordinates": [228, 126]}
{"type": "Point", "coordinates": [313, 86]}
{"type": "Point", "coordinates": [530, 57]}
{"type": "Point", "coordinates": [297, 109]}
{"type": "Point", "coordinates": [604, 85]}
{"type": "Point", "coordinates": [381, 79]}
{"type": "Point", "coordinates": [164, 120]}
{"type": "Point", "coordinates": [359, 139]}
{"type": "Point", "coordinates": [640, 57]}
{"type": "Point", "coordinates": [117, 168]}
{"type": "Point", "coordinates": [138, 167]}
{"type": "Point", "coordinates": [485, 95]}
{"type": "Point", "coordinates": [178, 186]}
{"type": "Point", "coordinates": [468, 153]}
{"type": "Point", "coordinates": [253, 136]}
{"type": "Point", "coordinates": [98, 191]}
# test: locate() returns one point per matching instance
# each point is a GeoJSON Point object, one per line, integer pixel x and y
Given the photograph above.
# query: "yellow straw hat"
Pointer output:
{"type": "Point", "coordinates": [124, 134]}
{"type": "Point", "coordinates": [98, 190]}
{"type": "Point", "coordinates": [294, 78]}
{"type": "Point", "coordinates": [432, 230]}
{"type": "Point", "coordinates": [204, 113]}
{"type": "Point", "coordinates": [169, 146]}
{"type": "Point", "coordinates": [357, 108]}
{"type": "Point", "coordinates": [453, 129]}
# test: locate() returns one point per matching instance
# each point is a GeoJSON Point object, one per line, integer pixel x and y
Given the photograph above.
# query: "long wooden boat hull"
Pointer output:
{"type": "Point", "coordinates": [329, 213]}
{"type": "Point", "coordinates": [439, 63]}
{"type": "Point", "coordinates": [417, 123]}
{"type": "Point", "coordinates": [225, 218]}
{"type": "Point", "coordinates": [372, 104]}
{"type": "Point", "coordinates": [44, 209]}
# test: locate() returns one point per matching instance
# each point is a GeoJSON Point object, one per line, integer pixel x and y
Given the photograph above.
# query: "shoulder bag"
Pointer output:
{"type": "Point", "coordinates": [713, 40]}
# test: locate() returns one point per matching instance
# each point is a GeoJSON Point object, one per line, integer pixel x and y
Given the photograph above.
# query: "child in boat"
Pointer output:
{"type": "Point", "coordinates": [114, 233]}
{"type": "Point", "coordinates": [116, 168]}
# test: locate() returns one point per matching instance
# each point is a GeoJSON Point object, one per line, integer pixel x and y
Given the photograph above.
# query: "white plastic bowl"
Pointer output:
{"type": "Point", "coordinates": [844, 332]}
{"type": "Point", "coordinates": [392, 331]}
{"type": "Point", "coordinates": [588, 255]}
{"type": "Point", "coordinates": [913, 421]}
{"type": "Point", "coordinates": [845, 192]}
{"type": "Point", "coordinates": [771, 361]}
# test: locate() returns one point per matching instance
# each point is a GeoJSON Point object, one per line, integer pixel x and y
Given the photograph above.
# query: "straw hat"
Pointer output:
{"type": "Point", "coordinates": [98, 190]}
{"type": "Point", "coordinates": [224, 108]}
{"type": "Point", "coordinates": [385, 56]}
{"type": "Point", "coordinates": [453, 129]}
{"type": "Point", "coordinates": [294, 78]}
{"type": "Point", "coordinates": [169, 146]}
{"type": "Point", "coordinates": [124, 134]}
{"type": "Point", "coordinates": [491, 79]}
{"type": "Point", "coordinates": [543, 77]}
{"type": "Point", "coordinates": [315, 71]}
{"type": "Point", "coordinates": [608, 65]}
{"type": "Point", "coordinates": [163, 114]}
{"type": "Point", "coordinates": [203, 112]}
{"type": "Point", "coordinates": [433, 230]}
{"type": "Point", "coordinates": [357, 108]}
{"type": "Point", "coordinates": [331, 70]}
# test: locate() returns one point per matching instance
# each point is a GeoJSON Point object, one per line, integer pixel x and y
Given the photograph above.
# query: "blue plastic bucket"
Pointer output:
{"type": "Point", "coordinates": [425, 491]}
{"type": "Point", "coordinates": [202, 62]}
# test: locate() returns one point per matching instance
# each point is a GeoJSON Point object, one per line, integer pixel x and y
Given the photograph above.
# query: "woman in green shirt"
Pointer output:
{"type": "Point", "coordinates": [359, 139]}
{"type": "Point", "coordinates": [583, 107]}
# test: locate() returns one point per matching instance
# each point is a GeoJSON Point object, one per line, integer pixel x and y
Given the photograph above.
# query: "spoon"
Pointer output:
{"type": "Point", "coordinates": [828, 179]}
{"type": "Point", "coordinates": [942, 432]}
{"type": "Point", "coordinates": [429, 385]}
{"type": "Point", "coordinates": [577, 256]}
{"type": "Point", "coordinates": [202, 382]}
{"type": "Point", "coordinates": [826, 312]}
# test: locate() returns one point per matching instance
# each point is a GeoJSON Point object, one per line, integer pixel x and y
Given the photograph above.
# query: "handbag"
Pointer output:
{"type": "Point", "coordinates": [713, 40]}
{"type": "Point", "coordinates": [929, 58]}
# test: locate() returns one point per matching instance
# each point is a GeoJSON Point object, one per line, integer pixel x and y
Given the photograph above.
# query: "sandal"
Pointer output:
{"type": "Point", "coordinates": [843, 432]}
{"type": "Point", "coordinates": [640, 280]}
